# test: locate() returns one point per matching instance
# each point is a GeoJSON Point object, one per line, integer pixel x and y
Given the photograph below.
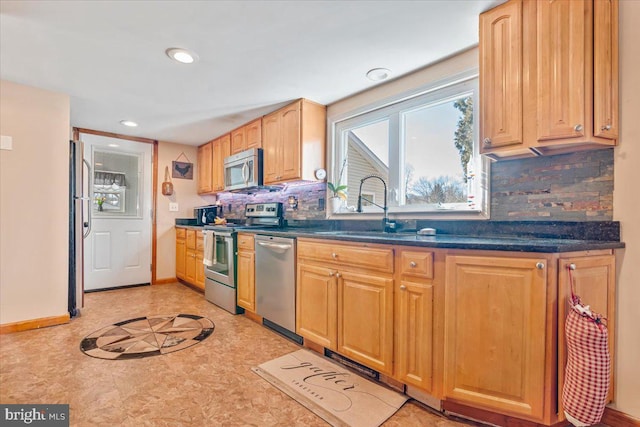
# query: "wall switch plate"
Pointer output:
{"type": "Point", "coordinates": [6, 142]}
{"type": "Point", "coordinates": [173, 207]}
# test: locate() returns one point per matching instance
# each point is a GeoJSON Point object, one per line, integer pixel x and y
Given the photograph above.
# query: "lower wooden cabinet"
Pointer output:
{"type": "Point", "coordinates": [365, 318]}
{"type": "Point", "coordinates": [594, 282]}
{"type": "Point", "coordinates": [480, 332]}
{"type": "Point", "coordinates": [317, 304]}
{"type": "Point", "coordinates": [413, 319]}
{"type": "Point", "coordinates": [495, 331]}
{"type": "Point", "coordinates": [345, 308]}
{"type": "Point", "coordinates": [181, 253]}
{"type": "Point", "coordinates": [189, 255]}
{"type": "Point", "coordinates": [246, 259]}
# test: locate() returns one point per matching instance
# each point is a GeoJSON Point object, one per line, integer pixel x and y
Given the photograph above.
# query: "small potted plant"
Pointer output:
{"type": "Point", "coordinates": [338, 191]}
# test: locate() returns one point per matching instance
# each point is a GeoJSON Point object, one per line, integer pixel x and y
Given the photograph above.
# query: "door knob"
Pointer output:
{"type": "Point", "coordinates": [606, 127]}
{"type": "Point", "coordinates": [486, 141]}
{"type": "Point", "coordinates": [412, 264]}
{"type": "Point", "coordinates": [403, 288]}
{"type": "Point", "coordinates": [338, 275]}
{"type": "Point", "coordinates": [334, 255]}
{"type": "Point", "coordinates": [577, 128]}
{"type": "Point", "coordinates": [540, 265]}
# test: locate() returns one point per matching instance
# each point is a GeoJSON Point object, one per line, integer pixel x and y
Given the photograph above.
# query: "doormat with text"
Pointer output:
{"type": "Point", "coordinates": [337, 395]}
{"type": "Point", "coordinates": [147, 336]}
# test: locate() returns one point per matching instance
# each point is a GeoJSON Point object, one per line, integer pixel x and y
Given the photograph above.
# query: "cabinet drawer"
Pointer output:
{"type": "Point", "coordinates": [191, 239]}
{"type": "Point", "coordinates": [416, 263]}
{"type": "Point", "coordinates": [181, 233]}
{"type": "Point", "coordinates": [199, 241]}
{"type": "Point", "coordinates": [353, 255]}
{"type": "Point", "coordinates": [245, 241]}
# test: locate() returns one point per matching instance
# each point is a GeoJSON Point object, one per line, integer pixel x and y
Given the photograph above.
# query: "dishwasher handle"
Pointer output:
{"type": "Point", "coordinates": [282, 247]}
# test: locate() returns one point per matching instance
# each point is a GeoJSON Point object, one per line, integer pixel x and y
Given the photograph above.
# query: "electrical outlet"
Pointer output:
{"type": "Point", "coordinates": [173, 207]}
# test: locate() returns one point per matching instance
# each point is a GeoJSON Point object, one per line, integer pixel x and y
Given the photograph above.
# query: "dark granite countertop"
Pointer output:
{"type": "Point", "coordinates": [447, 241]}
{"type": "Point", "coordinates": [518, 236]}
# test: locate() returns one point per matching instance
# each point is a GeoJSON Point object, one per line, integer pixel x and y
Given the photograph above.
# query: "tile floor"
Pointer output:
{"type": "Point", "coordinates": [208, 384]}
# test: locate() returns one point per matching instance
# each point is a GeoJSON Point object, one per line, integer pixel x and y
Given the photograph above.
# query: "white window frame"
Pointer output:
{"type": "Point", "coordinates": [393, 109]}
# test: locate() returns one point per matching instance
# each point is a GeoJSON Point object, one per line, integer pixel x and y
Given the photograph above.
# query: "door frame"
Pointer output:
{"type": "Point", "coordinates": [154, 183]}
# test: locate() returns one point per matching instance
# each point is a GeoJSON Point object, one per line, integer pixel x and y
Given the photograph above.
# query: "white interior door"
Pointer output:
{"type": "Point", "coordinates": [117, 251]}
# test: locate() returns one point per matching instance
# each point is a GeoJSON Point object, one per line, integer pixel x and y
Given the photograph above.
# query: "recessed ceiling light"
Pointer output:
{"type": "Point", "coordinates": [114, 145]}
{"type": "Point", "coordinates": [181, 55]}
{"type": "Point", "coordinates": [378, 74]}
{"type": "Point", "coordinates": [129, 123]}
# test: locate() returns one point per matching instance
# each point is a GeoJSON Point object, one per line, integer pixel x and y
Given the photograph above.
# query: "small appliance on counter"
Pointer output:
{"type": "Point", "coordinates": [206, 215]}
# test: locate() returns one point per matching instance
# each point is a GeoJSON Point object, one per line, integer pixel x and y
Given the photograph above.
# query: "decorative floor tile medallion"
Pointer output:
{"type": "Point", "coordinates": [147, 336]}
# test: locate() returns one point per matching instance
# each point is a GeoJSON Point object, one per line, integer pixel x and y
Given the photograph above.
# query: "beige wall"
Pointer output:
{"type": "Point", "coordinates": [626, 208]}
{"type": "Point", "coordinates": [34, 182]}
{"type": "Point", "coordinates": [185, 194]}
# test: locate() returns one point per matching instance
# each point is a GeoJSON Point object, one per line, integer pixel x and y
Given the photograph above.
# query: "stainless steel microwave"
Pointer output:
{"type": "Point", "coordinates": [243, 170]}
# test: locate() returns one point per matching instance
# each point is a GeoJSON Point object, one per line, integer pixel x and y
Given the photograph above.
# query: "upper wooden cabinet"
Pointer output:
{"type": "Point", "coordinates": [247, 136]}
{"type": "Point", "coordinates": [211, 164]}
{"type": "Point", "coordinates": [548, 77]}
{"type": "Point", "coordinates": [294, 139]}
{"type": "Point", "coordinates": [205, 157]}
{"type": "Point", "coordinates": [221, 149]}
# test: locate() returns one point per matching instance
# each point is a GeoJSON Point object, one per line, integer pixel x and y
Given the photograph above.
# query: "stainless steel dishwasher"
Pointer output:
{"type": "Point", "coordinates": [276, 281]}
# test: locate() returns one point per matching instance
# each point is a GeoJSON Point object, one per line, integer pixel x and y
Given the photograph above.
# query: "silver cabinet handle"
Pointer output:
{"type": "Point", "coordinates": [332, 273]}
{"type": "Point", "coordinates": [403, 288]}
{"type": "Point", "coordinates": [412, 264]}
{"type": "Point", "coordinates": [338, 275]}
{"type": "Point", "coordinates": [606, 127]}
{"type": "Point", "coordinates": [571, 266]}
{"type": "Point", "coordinates": [334, 255]}
{"type": "Point", "coordinates": [540, 265]}
{"type": "Point", "coordinates": [486, 141]}
{"type": "Point", "coordinates": [577, 128]}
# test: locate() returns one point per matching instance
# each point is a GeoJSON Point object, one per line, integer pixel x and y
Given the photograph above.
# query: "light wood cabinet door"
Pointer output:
{"type": "Point", "coordinates": [495, 333]}
{"type": "Point", "coordinates": [221, 149]}
{"type": "Point", "coordinates": [238, 143]}
{"type": "Point", "coordinates": [246, 280]}
{"type": "Point", "coordinates": [181, 258]}
{"type": "Point", "coordinates": [190, 269]}
{"type": "Point", "coordinates": [605, 71]}
{"type": "Point", "coordinates": [365, 319]}
{"type": "Point", "coordinates": [316, 304]}
{"type": "Point", "coordinates": [562, 56]}
{"type": "Point", "coordinates": [501, 98]}
{"type": "Point", "coordinates": [594, 280]}
{"type": "Point", "coordinates": [205, 157]}
{"type": "Point", "coordinates": [271, 146]}
{"type": "Point", "coordinates": [290, 143]}
{"type": "Point", "coordinates": [414, 334]}
{"type": "Point", "coordinates": [200, 277]}
{"type": "Point", "coordinates": [253, 134]}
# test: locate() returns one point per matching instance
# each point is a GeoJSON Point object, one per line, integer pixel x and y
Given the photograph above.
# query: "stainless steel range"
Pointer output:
{"type": "Point", "coordinates": [220, 252]}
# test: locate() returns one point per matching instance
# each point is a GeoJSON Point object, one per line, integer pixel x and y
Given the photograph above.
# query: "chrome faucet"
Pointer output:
{"type": "Point", "coordinates": [388, 226]}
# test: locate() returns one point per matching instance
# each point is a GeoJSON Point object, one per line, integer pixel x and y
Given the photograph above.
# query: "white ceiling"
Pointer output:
{"type": "Point", "coordinates": [254, 55]}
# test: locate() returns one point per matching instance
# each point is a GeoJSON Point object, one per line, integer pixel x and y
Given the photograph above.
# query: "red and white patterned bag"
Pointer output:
{"type": "Point", "coordinates": [588, 371]}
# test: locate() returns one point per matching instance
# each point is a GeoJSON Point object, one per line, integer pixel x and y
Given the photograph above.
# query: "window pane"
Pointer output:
{"type": "Point", "coordinates": [367, 154]}
{"type": "Point", "coordinates": [115, 184]}
{"type": "Point", "coordinates": [438, 144]}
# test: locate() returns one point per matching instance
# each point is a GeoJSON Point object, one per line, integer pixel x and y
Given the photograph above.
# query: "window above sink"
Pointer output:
{"type": "Point", "coordinates": [424, 146]}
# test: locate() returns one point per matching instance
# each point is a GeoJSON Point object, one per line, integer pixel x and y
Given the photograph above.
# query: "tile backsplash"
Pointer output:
{"type": "Point", "coordinates": [567, 187]}
{"type": "Point", "coordinates": [310, 197]}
